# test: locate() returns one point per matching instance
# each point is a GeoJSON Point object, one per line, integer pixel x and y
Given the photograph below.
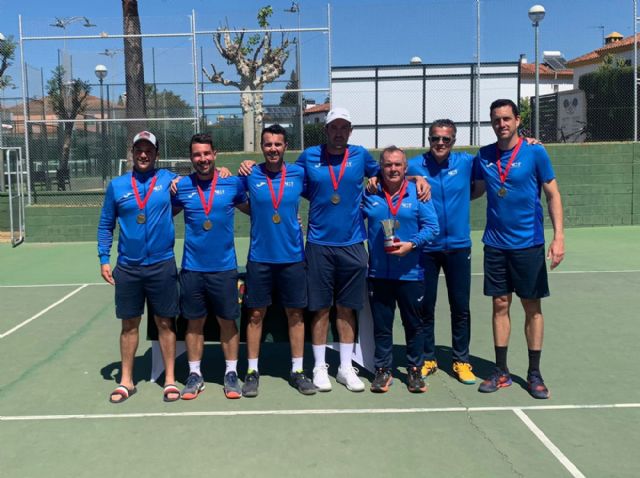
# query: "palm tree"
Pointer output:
{"type": "Point", "coordinates": [134, 68]}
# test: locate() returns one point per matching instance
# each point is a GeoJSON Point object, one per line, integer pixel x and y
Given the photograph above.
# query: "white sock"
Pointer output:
{"type": "Point", "coordinates": [253, 364]}
{"type": "Point", "coordinates": [230, 366]}
{"type": "Point", "coordinates": [318, 354]}
{"type": "Point", "coordinates": [296, 364]}
{"type": "Point", "coordinates": [346, 351]}
{"type": "Point", "coordinates": [194, 367]}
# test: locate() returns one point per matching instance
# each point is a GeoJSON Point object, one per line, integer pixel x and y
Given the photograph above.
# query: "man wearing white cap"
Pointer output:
{"type": "Point", "coordinates": [140, 203]}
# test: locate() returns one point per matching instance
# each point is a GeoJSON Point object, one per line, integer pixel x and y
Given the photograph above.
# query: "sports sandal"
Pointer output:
{"type": "Point", "coordinates": [168, 390]}
{"type": "Point", "coordinates": [124, 393]}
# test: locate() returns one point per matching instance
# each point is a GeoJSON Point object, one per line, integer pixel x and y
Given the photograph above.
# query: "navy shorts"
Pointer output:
{"type": "Point", "coordinates": [336, 273]}
{"type": "Point", "coordinates": [289, 280]}
{"type": "Point", "coordinates": [522, 271]}
{"type": "Point", "coordinates": [218, 289]}
{"type": "Point", "coordinates": [158, 283]}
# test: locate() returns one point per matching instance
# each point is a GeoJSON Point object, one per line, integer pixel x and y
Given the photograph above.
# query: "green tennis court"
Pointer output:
{"type": "Point", "coordinates": [60, 359]}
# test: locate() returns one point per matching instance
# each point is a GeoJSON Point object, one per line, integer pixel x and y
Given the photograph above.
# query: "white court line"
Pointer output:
{"type": "Point", "coordinates": [42, 312]}
{"type": "Point", "coordinates": [49, 285]}
{"type": "Point", "coordinates": [327, 411]}
{"type": "Point", "coordinates": [555, 451]}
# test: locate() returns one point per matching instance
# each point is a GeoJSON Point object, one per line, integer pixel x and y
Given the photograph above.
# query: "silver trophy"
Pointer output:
{"type": "Point", "coordinates": [390, 239]}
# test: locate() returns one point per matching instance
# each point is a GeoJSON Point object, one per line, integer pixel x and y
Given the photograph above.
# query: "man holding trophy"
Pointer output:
{"type": "Point", "coordinates": [399, 225]}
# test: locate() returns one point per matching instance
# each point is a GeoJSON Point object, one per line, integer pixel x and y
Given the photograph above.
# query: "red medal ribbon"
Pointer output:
{"type": "Point", "coordinates": [276, 201]}
{"type": "Point", "coordinates": [207, 206]}
{"type": "Point", "coordinates": [142, 202]}
{"type": "Point", "coordinates": [394, 209]}
{"type": "Point", "coordinates": [503, 175]}
{"type": "Point", "coordinates": [342, 168]}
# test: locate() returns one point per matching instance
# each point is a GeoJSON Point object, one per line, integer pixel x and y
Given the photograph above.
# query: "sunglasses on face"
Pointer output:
{"type": "Point", "coordinates": [437, 139]}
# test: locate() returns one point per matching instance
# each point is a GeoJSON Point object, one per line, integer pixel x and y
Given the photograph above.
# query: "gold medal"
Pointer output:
{"type": "Point", "coordinates": [141, 219]}
{"type": "Point", "coordinates": [502, 192]}
{"type": "Point", "coordinates": [276, 218]}
{"type": "Point", "coordinates": [335, 198]}
{"type": "Point", "coordinates": [206, 225]}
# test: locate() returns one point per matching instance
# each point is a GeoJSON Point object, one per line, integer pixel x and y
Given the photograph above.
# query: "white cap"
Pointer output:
{"type": "Point", "coordinates": [338, 113]}
{"type": "Point", "coordinates": [146, 136]}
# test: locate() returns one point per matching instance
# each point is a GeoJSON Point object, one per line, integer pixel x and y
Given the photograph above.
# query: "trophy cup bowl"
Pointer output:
{"type": "Point", "coordinates": [390, 239]}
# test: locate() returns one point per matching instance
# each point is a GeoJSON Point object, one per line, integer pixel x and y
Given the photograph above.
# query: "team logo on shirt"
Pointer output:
{"type": "Point", "coordinates": [219, 191]}
{"type": "Point", "coordinates": [288, 184]}
{"type": "Point", "coordinates": [375, 203]}
{"type": "Point", "coordinates": [191, 195]}
{"type": "Point", "coordinates": [516, 164]}
{"type": "Point", "coordinates": [260, 184]}
{"type": "Point", "coordinates": [453, 172]}
{"type": "Point", "coordinates": [159, 187]}
{"type": "Point", "coordinates": [317, 165]}
{"type": "Point", "coordinates": [126, 195]}
{"type": "Point", "coordinates": [407, 205]}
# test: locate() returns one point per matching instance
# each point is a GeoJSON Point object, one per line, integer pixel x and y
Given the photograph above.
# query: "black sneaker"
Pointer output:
{"type": "Point", "coordinates": [415, 382]}
{"type": "Point", "coordinates": [250, 385]}
{"type": "Point", "coordinates": [536, 387]}
{"type": "Point", "coordinates": [382, 380]}
{"type": "Point", "coordinates": [302, 383]}
{"type": "Point", "coordinates": [231, 386]}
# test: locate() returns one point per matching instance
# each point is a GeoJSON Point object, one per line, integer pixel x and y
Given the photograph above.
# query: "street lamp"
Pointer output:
{"type": "Point", "coordinates": [101, 72]}
{"type": "Point", "coordinates": [536, 14]}
{"type": "Point", "coordinates": [295, 8]}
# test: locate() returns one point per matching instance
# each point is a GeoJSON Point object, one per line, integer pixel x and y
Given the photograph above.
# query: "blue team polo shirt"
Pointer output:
{"type": "Point", "coordinates": [515, 221]}
{"type": "Point", "coordinates": [418, 224]}
{"type": "Point", "coordinates": [212, 250]}
{"type": "Point", "coordinates": [138, 244]}
{"type": "Point", "coordinates": [451, 196]}
{"type": "Point", "coordinates": [336, 224]}
{"type": "Point", "coordinates": [270, 242]}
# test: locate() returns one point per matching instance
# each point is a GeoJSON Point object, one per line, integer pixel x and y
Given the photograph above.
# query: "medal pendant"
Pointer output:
{"type": "Point", "coordinates": [502, 192]}
{"type": "Point", "coordinates": [335, 198]}
{"type": "Point", "coordinates": [276, 218]}
{"type": "Point", "coordinates": [396, 224]}
{"type": "Point", "coordinates": [206, 225]}
{"type": "Point", "coordinates": [141, 219]}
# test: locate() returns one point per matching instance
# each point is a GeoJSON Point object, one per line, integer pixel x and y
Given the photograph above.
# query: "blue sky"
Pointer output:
{"type": "Point", "coordinates": [364, 32]}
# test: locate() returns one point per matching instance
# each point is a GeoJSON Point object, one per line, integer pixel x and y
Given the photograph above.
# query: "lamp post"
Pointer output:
{"type": "Point", "coordinates": [295, 8]}
{"type": "Point", "coordinates": [101, 73]}
{"type": "Point", "coordinates": [536, 14]}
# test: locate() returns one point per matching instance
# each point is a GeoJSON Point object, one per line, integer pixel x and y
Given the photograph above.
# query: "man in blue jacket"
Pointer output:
{"type": "Point", "coordinates": [395, 274]}
{"type": "Point", "coordinates": [140, 203]}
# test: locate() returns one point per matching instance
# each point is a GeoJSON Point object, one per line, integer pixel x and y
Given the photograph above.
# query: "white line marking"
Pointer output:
{"type": "Point", "coordinates": [49, 285]}
{"type": "Point", "coordinates": [329, 411]}
{"type": "Point", "coordinates": [42, 312]}
{"type": "Point", "coordinates": [555, 451]}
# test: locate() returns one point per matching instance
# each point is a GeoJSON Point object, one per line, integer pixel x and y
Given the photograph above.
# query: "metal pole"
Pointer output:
{"type": "Point", "coordinates": [329, 51]}
{"type": "Point", "coordinates": [300, 99]}
{"type": "Point", "coordinates": [537, 116]}
{"type": "Point", "coordinates": [478, 72]}
{"type": "Point", "coordinates": [635, 71]}
{"type": "Point", "coordinates": [24, 109]}
{"type": "Point", "coordinates": [194, 58]}
{"type": "Point", "coordinates": [103, 166]}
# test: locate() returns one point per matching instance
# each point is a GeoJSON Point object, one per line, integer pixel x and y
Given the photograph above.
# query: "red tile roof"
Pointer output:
{"type": "Point", "coordinates": [529, 70]}
{"type": "Point", "coordinates": [322, 108]}
{"type": "Point", "coordinates": [596, 56]}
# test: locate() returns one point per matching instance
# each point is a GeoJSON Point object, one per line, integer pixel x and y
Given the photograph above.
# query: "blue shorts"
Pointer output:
{"type": "Point", "coordinates": [522, 271]}
{"type": "Point", "coordinates": [157, 283]}
{"type": "Point", "coordinates": [289, 279]}
{"type": "Point", "coordinates": [336, 273]}
{"type": "Point", "coordinates": [217, 289]}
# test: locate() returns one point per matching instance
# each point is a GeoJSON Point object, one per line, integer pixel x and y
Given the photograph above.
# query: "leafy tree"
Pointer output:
{"type": "Point", "coordinates": [68, 100]}
{"type": "Point", "coordinates": [257, 63]}
{"type": "Point", "coordinates": [165, 103]}
{"type": "Point", "coordinates": [525, 116]}
{"type": "Point", "coordinates": [133, 67]}
{"type": "Point", "coordinates": [7, 54]}
{"type": "Point", "coordinates": [290, 98]}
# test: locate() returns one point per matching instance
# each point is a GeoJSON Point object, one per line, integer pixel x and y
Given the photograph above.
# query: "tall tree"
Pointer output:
{"type": "Point", "coordinates": [257, 63]}
{"type": "Point", "coordinates": [68, 100]}
{"type": "Point", "coordinates": [133, 67]}
{"type": "Point", "coordinates": [7, 53]}
{"type": "Point", "coordinates": [290, 98]}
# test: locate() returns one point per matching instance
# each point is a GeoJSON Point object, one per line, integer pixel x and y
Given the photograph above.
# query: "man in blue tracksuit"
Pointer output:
{"type": "Point", "coordinates": [140, 203]}
{"type": "Point", "coordinates": [395, 273]}
{"type": "Point", "coordinates": [450, 176]}
{"type": "Point", "coordinates": [209, 270]}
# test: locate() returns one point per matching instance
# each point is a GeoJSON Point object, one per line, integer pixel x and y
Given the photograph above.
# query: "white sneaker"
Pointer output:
{"type": "Point", "coordinates": [321, 378]}
{"type": "Point", "coordinates": [349, 378]}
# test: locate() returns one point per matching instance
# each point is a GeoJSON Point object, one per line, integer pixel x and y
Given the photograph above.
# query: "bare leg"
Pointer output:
{"type": "Point", "coordinates": [194, 339]}
{"type": "Point", "coordinates": [346, 324]}
{"type": "Point", "coordinates": [167, 340]}
{"type": "Point", "coordinates": [501, 320]}
{"type": "Point", "coordinates": [128, 345]}
{"type": "Point", "coordinates": [229, 338]}
{"type": "Point", "coordinates": [254, 332]}
{"type": "Point", "coordinates": [320, 327]}
{"type": "Point", "coordinates": [534, 323]}
{"type": "Point", "coordinates": [296, 331]}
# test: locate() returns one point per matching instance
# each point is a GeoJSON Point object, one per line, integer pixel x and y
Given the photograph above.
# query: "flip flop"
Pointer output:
{"type": "Point", "coordinates": [124, 393]}
{"type": "Point", "coordinates": [169, 389]}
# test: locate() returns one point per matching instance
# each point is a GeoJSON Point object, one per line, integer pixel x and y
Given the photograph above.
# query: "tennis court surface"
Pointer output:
{"type": "Point", "coordinates": [60, 359]}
